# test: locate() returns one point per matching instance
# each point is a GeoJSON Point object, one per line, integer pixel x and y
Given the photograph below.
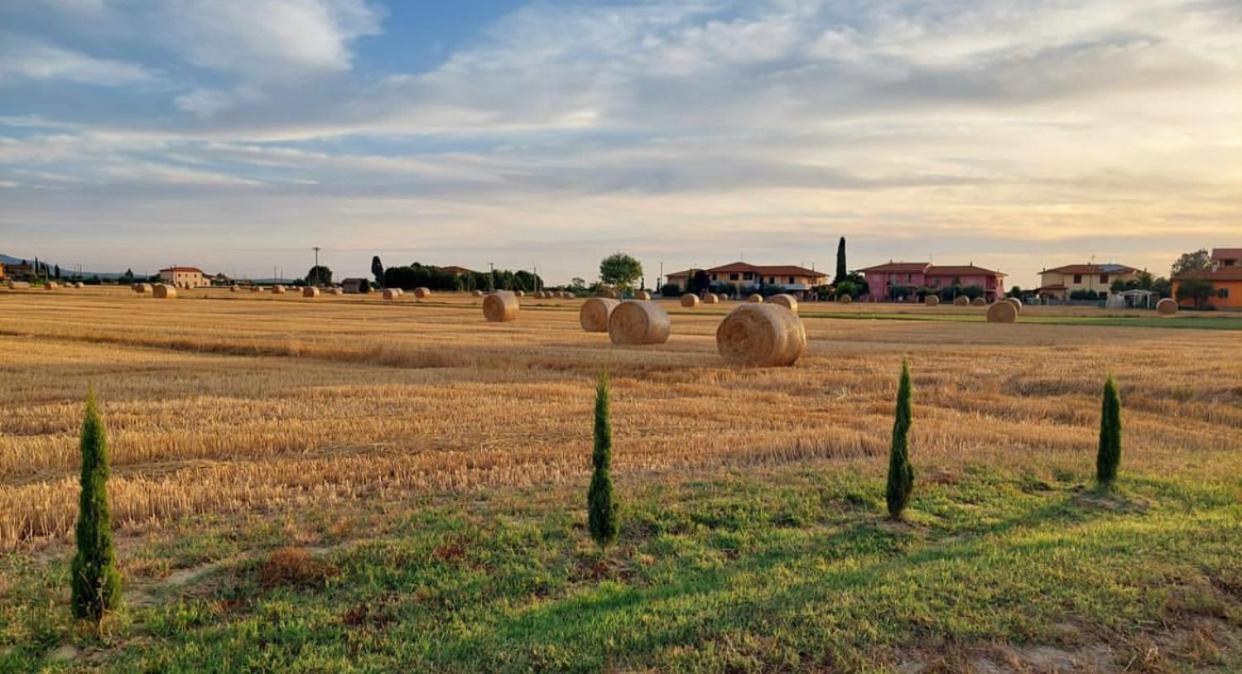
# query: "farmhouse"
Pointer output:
{"type": "Point", "coordinates": [744, 276]}
{"type": "Point", "coordinates": [1060, 282]}
{"type": "Point", "coordinates": [454, 269]}
{"type": "Point", "coordinates": [184, 277]}
{"type": "Point", "coordinates": [899, 279]}
{"type": "Point", "coordinates": [1225, 277]}
{"type": "Point", "coordinates": [354, 285]}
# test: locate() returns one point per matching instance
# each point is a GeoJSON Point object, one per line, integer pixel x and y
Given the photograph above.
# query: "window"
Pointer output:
{"type": "Point", "coordinates": [732, 277]}
{"type": "Point", "coordinates": [791, 280]}
{"type": "Point", "coordinates": [771, 279]}
{"type": "Point", "coordinates": [1223, 293]}
{"type": "Point", "coordinates": [1077, 278]}
{"type": "Point", "coordinates": [1103, 278]}
{"type": "Point", "coordinates": [748, 276]}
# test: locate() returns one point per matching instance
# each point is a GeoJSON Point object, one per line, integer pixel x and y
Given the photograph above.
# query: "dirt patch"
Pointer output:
{"type": "Point", "coordinates": [295, 567]}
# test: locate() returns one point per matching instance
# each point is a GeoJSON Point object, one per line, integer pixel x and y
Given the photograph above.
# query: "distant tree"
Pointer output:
{"type": "Point", "coordinates": [620, 270]}
{"type": "Point", "coordinates": [319, 276]}
{"type": "Point", "coordinates": [900, 472]}
{"type": "Point", "coordinates": [1109, 457]}
{"type": "Point", "coordinates": [1144, 280]}
{"type": "Point", "coordinates": [1118, 286]}
{"type": "Point", "coordinates": [847, 288]}
{"type": "Point", "coordinates": [860, 282]}
{"type": "Point", "coordinates": [1014, 292]}
{"type": "Point", "coordinates": [1199, 260]}
{"type": "Point", "coordinates": [1197, 290]}
{"type": "Point", "coordinates": [841, 272]}
{"type": "Point", "coordinates": [377, 269]}
{"type": "Point", "coordinates": [95, 581]}
{"type": "Point", "coordinates": [1162, 287]}
{"type": "Point", "coordinates": [699, 281]}
{"type": "Point", "coordinates": [577, 284]}
{"type": "Point", "coordinates": [57, 274]}
{"type": "Point", "coordinates": [128, 276]}
{"type": "Point", "coordinates": [601, 503]}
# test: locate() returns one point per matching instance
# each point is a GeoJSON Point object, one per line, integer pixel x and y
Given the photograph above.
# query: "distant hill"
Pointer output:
{"type": "Point", "coordinates": [9, 259]}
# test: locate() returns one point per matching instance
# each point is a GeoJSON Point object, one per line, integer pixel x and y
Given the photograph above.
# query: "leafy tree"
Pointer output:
{"type": "Point", "coordinates": [1199, 260]}
{"type": "Point", "coordinates": [1109, 457]}
{"type": "Point", "coordinates": [96, 583]}
{"type": "Point", "coordinates": [1197, 290]}
{"type": "Point", "coordinates": [577, 284]}
{"type": "Point", "coordinates": [620, 270]}
{"type": "Point", "coordinates": [57, 273]}
{"type": "Point", "coordinates": [841, 272]}
{"type": "Point", "coordinates": [319, 276]}
{"type": "Point", "coordinates": [601, 503]}
{"type": "Point", "coordinates": [900, 472]}
{"type": "Point", "coordinates": [1162, 287]}
{"type": "Point", "coordinates": [128, 276]}
{"type": "Point", "coordinates": [377, 270]}
{"type": "Point", "coordinates": [698, 281]}
{"type": "Point", "coordinates": [847, 288]}
{"type": "Point", "coordinates": [1014, 292]}
{"type": "Point", "coordinates": [1144, 280]}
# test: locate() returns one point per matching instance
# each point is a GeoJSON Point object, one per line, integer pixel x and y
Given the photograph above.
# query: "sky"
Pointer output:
{"type": "Point", "coordinates": [235, 135]}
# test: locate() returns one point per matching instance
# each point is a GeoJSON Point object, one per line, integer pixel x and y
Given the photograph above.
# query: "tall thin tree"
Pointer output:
{"type": "Point", "coordinates": [1109, 457]}
{"type": "Point", "coordinates": [900, 472]}
{"type": "Point", "coordinates": [377, 268]}
{"type": "Point", "coordinates": [96, 583]}
{"type": "Point", "coordinates": [601, 503]}
{"type": "Point", "coordinates": [841, 272]}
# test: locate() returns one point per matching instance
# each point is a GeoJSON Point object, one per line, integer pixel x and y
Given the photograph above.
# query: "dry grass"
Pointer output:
{"type": "Point", "coordinates": [222, 402]}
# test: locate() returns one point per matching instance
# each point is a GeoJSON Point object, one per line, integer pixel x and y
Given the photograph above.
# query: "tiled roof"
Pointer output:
{"type": "Point", "coordinates": [187, 269]}
{"type": "Point", "coordinates": [960, 270]}
{"type": "Point", "coordinates": [454, 269]}
{"type": "Point", "coordinates": [762, 270]}
{"type": "Point", "coordinates": [1222, 274]}
{"type": "Point", "coordinates": [903, 267]}
{"type": "Point", "coordinates": [1091, 269]}
{"type": "Point", "coordinates": [1226, 253]}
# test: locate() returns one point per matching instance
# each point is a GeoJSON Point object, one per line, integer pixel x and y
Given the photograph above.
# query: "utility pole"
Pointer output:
{"type": "Point", "coordinates": [318, 276]}
{"type": "Point", "coordinates": [491, 277]}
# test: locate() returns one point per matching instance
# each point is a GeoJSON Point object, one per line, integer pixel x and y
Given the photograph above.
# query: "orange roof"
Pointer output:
{"type": "Point", "coordinates": [961, 270]}
{"type": "Point", "coordinates": [1226, 253]}
{"type": "Point", "coordinates": [1222, 274]}
{"type": "Point", "coordinates": [176, 269]}
{"type": "Point", "coordinates": [904, 267]}
{"type": "Point", "coordinates": [762, 270]}
{"type": "Point", "coordinates": [1105, 268]}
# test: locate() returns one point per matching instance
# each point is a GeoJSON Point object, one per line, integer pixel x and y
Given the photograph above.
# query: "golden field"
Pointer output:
{"type": "Point", "coordinates": [222, 402]}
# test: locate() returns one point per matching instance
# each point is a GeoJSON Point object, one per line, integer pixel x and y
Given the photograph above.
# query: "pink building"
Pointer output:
{"type": "Point", "coordinates": [887, 281]}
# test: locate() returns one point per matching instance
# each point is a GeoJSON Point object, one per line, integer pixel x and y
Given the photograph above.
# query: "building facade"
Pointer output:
{"type": "Point", "coordinates": [886, 282]}
{"type": "Point", "coordinates": [1225, 277]}
{"type": "Point", "coordinates": [745, 277]}
{"type": "Point", "coordinates": [184, 277]}
{"type": "Point", "coordinates": [1060, 282]}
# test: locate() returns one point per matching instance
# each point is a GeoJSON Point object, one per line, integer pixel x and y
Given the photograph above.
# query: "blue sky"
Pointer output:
{"type": "Point", "coordinates": [234, 135]}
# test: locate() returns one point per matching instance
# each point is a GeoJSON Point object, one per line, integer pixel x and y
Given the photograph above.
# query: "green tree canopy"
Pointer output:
{"type": "Point", "coordinates": [1199, 260]}
{"type": "Point", "coordinates": [620, 270]}
{"type": "Point", "coordinates": [319, 276]}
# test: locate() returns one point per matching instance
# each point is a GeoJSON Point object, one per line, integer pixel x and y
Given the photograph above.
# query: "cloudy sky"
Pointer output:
{"type": "Point", "coordinates": [236, 134]}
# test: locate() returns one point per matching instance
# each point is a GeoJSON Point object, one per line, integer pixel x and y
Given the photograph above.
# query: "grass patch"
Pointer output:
{"type": "Point", "coordinates": [792, 569]}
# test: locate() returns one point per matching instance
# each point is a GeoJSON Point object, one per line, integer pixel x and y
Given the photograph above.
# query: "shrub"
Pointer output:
{"type": "Point", "coordinates": [601, 504]}
{"type": "Point", "coordinates": [1109, 457]}
{"type": "Point", "coordinates": [900, 472]}
{"type": "Point", "coordinates": [96, 583]}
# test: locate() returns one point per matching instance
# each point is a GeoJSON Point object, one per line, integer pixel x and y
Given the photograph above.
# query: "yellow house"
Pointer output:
{"type": "Point", "coordinates": [1059, 282]}
{"type": "Point", "coordinates": [184, 277]}
{"type": "Point", "coordinates": [743, 276]}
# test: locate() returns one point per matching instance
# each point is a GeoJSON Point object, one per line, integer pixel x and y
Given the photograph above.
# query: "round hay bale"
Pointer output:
{"type": "Point", "coordinates": [477, 293]}
{"type": "Point", "coordinates": [79, 284]}
{"type": "Point", "coordinates": [1017, 303]}
{"type": "Point", "coordinates": [501, 306]}
{"type": "Point", "coordinates": [256, 289]}
{"type": "Point", "coordinates": [338, 291]}
{"type": "Point", "coordinates": [1002, 312]}
{"type": "Point", "coordinates": [639, 322]}
{"type": "Point", "coordinates": [310, 291]}
{"type": "Point", "coordinates": [594, 313]}
{"type": "Point", "coordinates": [233, 289]}
{"type": "Point", "coordinates": [422, 293]}
{"type": "Point", "coordinates": [163, 291]}
{"type": "Point", "coordinates": [642, 295]}
{"type": "Point", "coordinates": [51, 285]}
{"type": "Point", "coordinates": [1166, 306]}
{"type": "Point", "coordinates": [711, 298]}
{"type": "Point", "coordinates": [519, 293]}
{"type": "Point", "coordinates": [761, 335]}
{"type": "Point", "coordinates": [392, 293]}
{"type": "Point", "coordinates": [278, 290]}
{"type": "Point", "coordinates": [931, 300]}
{"type": "Point", "coordinates": [978, 302]}
{"type": "Point", "coordinates": [785, 300]}
{"type": "Point", "coordinates": [845, 299]}
{"type": "Point", "coordinates": [141, 288]}
{"type": "Point", "coordinates": [689, 300]}
{"type": "Point", "coordinates": [961, 301]}
{"type": "Point", "coordinates": [754, 298]}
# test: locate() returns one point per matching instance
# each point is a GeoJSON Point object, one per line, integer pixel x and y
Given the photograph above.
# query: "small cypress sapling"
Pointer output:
{"type": "Point", "coordinates": [1109, 457]}
{"type": "Point", "coordinates": [900, 472]}
{"type": "Point", "coordinates": [96, 583]}
{"type": "Point", "coordinates": [601, 505]}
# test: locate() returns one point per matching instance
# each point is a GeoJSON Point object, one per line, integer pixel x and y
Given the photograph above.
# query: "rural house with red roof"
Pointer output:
{"type": "Point", "coordinates": [744, 276]}
{"type": "Point", "coordinates": [1057, 283]}
{"type": "Point", "coordinates": [889, 280]}
{"type": "Point", "coordinates": [184, 277]}
{"type": "Point", "coordinates": [1225, 277]}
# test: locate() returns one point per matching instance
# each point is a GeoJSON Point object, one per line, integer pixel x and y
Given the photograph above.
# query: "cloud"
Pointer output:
{"type": "Point", "coordinates": [28, 59]}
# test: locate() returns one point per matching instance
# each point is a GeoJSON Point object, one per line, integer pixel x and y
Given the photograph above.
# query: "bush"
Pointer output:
{"type": "Point", "coordinates": [96, 583]}
{"type": "Point", "coordinates": [601, 504]}
{"type": "Point", "coordinates": [1109, 457]}
{"type": "Point", "coordinates": [671, 290]}
{"type": "Point", "coordinates": [900, 472]}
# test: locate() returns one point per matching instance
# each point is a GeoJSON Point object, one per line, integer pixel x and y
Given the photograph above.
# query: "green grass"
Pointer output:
{"type": "Point", "coordinates": [796, 569]}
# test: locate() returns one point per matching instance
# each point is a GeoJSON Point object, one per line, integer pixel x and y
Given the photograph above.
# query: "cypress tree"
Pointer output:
{"type": "Point", "coordinates": [900, 472]}
{"type": "Point", "coordinates": [841, 273]}
{"type": "Point", "coordinates": [1109, 457]}
{"type": "Point", "coordinates": [96, 581]}
{"type": "Point", "coordinates": [601, 506]}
